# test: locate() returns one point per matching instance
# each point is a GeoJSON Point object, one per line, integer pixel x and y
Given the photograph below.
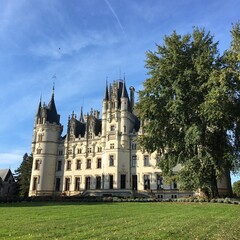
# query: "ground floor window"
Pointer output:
{"type": "Point", "coordinates": [98, 182]}
{"type": "Point", "coordinates": [67, 184]}
{"type": "Point", "coordinates": [87, 183]}
{"type": "Point", "coordinates": [58, 182]}
{"type": "Point", "coordinates": [159, 181]}
{"type": "Point", "coordinates": [174, 184]}
{"type": "Point", "coordinates": [35, 182]}
{"type": "Point", "coordinates": [134, 182]}
{"type": "Point", "coordinates": [146, 182]}
{"type": "Point", "coordinates": [77, 184]}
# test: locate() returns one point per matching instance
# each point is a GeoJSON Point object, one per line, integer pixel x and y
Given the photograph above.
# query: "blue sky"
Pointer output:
{"type": "Point", "coordinates": [82, 42]}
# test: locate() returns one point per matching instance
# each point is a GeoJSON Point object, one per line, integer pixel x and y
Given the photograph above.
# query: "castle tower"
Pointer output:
{"type": "Point", "coordinates": [46, 136]}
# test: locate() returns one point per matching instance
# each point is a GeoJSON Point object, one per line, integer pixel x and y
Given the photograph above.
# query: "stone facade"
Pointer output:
{"type": "Point", "coordinates": [97, 156]}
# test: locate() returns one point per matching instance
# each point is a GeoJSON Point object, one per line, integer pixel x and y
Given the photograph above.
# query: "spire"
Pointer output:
{"type": "Point", "coordinates": [106, 96]}
{"type": "Point", "coordinates": [39, 107]}
{"type": "Point", "coordinates": [81, 119]}
{"type": "Point", "coordinates": [52, 115]}
{"type": "Point", "coordinates": [51, 104]}
{"type": "Point", "coordinates": [110, 92]}
{"type": "Point", "coordinates": [124, 91]}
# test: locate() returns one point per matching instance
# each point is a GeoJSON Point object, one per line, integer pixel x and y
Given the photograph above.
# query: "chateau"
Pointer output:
{"type": "Point", "coordinates": [97, 156]}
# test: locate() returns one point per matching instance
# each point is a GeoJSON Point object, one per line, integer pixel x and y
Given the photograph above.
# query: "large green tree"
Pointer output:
{"type": "Point", "coordinates": [189, 108]}
{"type": "Point", "coordinates": [23, 175]}
{"type": "Point", "coordinates": [236, 188]}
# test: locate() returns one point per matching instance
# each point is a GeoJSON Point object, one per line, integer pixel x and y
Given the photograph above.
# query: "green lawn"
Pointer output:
{"type": "Point", "coordinates": [119, 221]}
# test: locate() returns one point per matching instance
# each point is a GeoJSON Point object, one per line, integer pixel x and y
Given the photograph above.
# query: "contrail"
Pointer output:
{"type": "Point", "coordinates": [115, 15]}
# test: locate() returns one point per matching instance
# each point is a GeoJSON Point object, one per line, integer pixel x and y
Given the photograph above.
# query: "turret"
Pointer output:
{"type": "Point", "coordinates": [47, 132]}
{"type": "Point", "coordinates": [105, 107]}
{"type": "Point", "coordinates": [132, 90]}
{"type": "Point", "coordinates": [124, 114]}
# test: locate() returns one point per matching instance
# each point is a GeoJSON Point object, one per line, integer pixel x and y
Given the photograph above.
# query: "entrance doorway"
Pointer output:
{"type": "Point", "coordinates": [134, 182]}
{"type": "Point", "coordinates": [123, 181]}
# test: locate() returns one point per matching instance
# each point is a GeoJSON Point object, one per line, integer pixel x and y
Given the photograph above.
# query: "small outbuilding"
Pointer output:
{"type": "Point", "coordinates": [7, 183]}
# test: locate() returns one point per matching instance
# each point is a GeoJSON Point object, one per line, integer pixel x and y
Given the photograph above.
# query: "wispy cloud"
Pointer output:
{"type": "Point", "coordinates": [11, 159]}
{"type": "Point", "coordinates": [116, 16]}
{"type": "Point", "coordinates": [72, 43]}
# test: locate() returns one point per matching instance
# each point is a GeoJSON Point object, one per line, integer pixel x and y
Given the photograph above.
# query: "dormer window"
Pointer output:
{"type": "Point", "coordinates": [111, 145]}
{"type": "Point", "coordinates": [39, 150]}
{"type": "Point", "coordinates": [40, 137]}
{"type": "Point", "coordinates": [90, 135]}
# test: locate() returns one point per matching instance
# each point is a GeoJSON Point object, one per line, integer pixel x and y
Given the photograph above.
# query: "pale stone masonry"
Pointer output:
{"type": "Point", "coordinates": [97, 156]}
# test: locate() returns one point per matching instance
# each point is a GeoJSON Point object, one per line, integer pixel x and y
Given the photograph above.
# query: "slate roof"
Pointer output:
{"type": "Point", "coordinates": [4, 173]}
{"type": "Point", "coordinates": [50, 111]}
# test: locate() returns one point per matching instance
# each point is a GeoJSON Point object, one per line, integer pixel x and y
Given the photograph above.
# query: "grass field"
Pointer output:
{"type": "Point", "coordinates": [119, 221]}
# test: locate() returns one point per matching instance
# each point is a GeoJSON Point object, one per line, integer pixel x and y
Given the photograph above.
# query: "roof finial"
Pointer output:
{"type": "Point", "coordinates": [120, 72]}
{"type": "Point", "coordinates": [53, 77]}
{"type": "Point", "coordinates": [81, 119]}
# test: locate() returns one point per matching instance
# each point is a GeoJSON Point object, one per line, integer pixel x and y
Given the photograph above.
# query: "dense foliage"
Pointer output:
{"type": "Point", "coordinates": [236, 188]}
{"type": "Point", "coordinates": [190, 105]}
{"type": "Point", "coordinates": [23, 175]}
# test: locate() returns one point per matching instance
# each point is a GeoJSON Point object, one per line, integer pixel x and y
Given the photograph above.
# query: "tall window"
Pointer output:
{"type": "Point", "coordinates": [99, 149]}
{"type": "Point", "coordinates": [67, 184]}
{"type": "Point", "coordinates": [134, 146]}
{"type": "Point", "coordinates": [40, 136]}
{"type": "Point", "coordinates": [89, 150]}
{"type": "Point", "coordinates": [99, 163]}
{"type": "Point", "coordinates": [37, 164]}
{"type": "Point", "coordinates": [111, 160]}
{"type": "Point", "coordinates": [59, 166]}
{"type": "Point", "coordinates": [79, 150]}
{"type": "Point", "coordinates": [58, 182]}
{"type": "Point", "coordinates": [78, 164]}
{"type": "Point", "coordinates": [159, 181]}
{"type": "Point", "coordinates": [60, 152]}
{"type": "Point", "coordinates": [124, 129]}
{"type": "Point", "coordinates": [35, 182]}
{"type": "Point", "coordinates": [77, 184]}
{"type": "Point", "coordinates": [98, 182]}
{"type": "Point", "coordinates": [69, 163]}
{"type": "Point", "coordinates": [174, 184]}
{"type": "Point", "coordinates": [88, 163]}
{"type": "Point", "coordinates": [146, 182]}
{"type": "Point", "coordinates": [39, 150]}
{"type": "Point", "coordinates": [112, 128]}
{"type": "Point", "coordinates": [146, 160]}
{"type": "Point", "coordinates": [134, 161]}
{"type": "Point", "coordinates": [87, 182]}
{"type": "Point", "coordinates": [157, 159]}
